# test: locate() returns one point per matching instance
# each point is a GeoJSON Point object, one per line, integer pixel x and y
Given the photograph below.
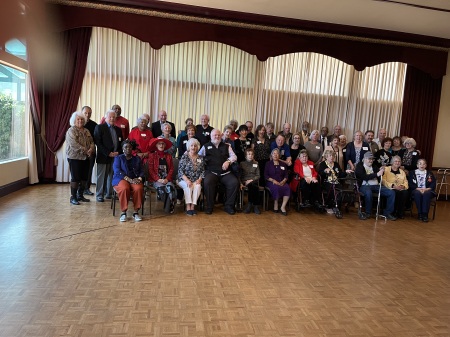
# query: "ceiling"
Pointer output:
{"type": "Point", "coordinates": [423, 17]}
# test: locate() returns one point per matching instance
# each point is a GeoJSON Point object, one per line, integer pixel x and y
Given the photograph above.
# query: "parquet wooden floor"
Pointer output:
{"type": "Point", "coordinates": [77, 271]}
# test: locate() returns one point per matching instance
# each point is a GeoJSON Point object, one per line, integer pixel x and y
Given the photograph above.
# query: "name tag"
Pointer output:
{"type": "Point", "coordinates": [365, 148]}
{"type": "Point", "coordinates": [414, 153]}
{"type": "Point", "coordinates": [282, 152]}
{"type": "Point", "coordinates": [143, 135]}
{"type": "Point", "coordinates": [317, 147]}
{"type": "Point", "coordinates": [282, 167]}
{"type": "Point", "coordinates": [199, 160]}
{"type": "Point", "coordinates": [209, 147]}
{"type": "Point", "coordinates": [311, 166]}
{"type": "Point", "coordinates": [120, 139]}
{"type": "Point", "coordinates": [344, 150]}
{"type": "Point", "coordinates": [255, 165]}
{"type": "Point", "coordinates": [206, 133]}
{"type": "Point", "coordinates": [414, 181]}
{"type": "Point", "coordinates": [258, 142]}
{"type": "Point", "coordinates": [122, 126]}
{"type": "Point", "coordinates": [247, 142]}
{"type": "Point", "coordinates": [184, 141]}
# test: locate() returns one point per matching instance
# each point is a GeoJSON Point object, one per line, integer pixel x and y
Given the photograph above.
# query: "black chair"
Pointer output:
{"type": "Point", "coordinates": [115, 197]}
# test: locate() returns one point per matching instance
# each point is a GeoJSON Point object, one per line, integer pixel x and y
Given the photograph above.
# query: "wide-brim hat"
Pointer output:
{"type": "Point", "coordinates": [154, 141]}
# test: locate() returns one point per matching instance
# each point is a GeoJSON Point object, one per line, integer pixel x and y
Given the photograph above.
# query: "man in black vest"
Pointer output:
{"type": "Point", "coordinates": [108, 139]}
{"type": "Point", "coordinates": [218, 159]}
{"type": "Point", "coordinates": [203, 133]}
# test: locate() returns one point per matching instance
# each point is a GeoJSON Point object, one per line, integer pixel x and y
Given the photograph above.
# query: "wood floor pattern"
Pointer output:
{"type": "Point", "coordinates": [77, 271]}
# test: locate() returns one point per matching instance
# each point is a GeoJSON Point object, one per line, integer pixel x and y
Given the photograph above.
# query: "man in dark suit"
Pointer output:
{"type": "Point", "coordinates": [156, 126]}
{"type": "Point", "coordinates": [324, 138]}
{"type": "Point", "coordinates": [90, 125]}
{"type": "Point", "coordinates": [108, 139]}
{"type": "Point", "coordinates": [203, 133]}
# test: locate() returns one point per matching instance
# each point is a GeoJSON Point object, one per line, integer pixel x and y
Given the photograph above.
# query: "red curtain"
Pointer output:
{"type": "Point", "coordinates": [420, 113]}
{"type": "Point", "coordinates": [61, 101]}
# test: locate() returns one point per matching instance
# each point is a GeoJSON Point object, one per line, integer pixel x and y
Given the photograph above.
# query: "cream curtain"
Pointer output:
{"type": "Point", "coordinates": [203, 77]}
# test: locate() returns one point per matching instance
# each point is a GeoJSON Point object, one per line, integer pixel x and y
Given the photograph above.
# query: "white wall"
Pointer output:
{"type": "Point", "coordinates": [441, 156]}
{"type": "Point", "coordinates": [12, 171]}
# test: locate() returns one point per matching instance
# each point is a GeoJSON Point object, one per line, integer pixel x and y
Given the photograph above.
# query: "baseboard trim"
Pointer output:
{"type": "Point", "coordinates": [13, 187]}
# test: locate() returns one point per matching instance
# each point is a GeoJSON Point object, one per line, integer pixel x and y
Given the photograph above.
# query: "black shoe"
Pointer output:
{"type": "Point", "coordinates": [100, 199]}
{"type": "Point", "coordinates": [256, 209]}
{"type": "Point", "coordinates": [82, 198]}
{"type": "Point", "coordinates": [276, 211]}
{"type": "Point", "coordinates": [208, 211]}
{"type": "Point", "coordinates": [88, 192]}
{"type": "Point", "coordinates": [306, 203]}
{"type": "Point", "coordinates": [74, 201]}
{"type": "Point", "coordinates": [284, 213]}
{"type": "Point", "coordinates": [390, 217]}
{"type": "Point", "coordinates": [230, 210]}
{"type": "Point", "coordinates": [425, 218]}
{"type": "Point", "coordinates": [248, 209]}
{"type": "Point", "coordinates": [368, 215]}
{"type": "Point", "coordinates": [420, 216]}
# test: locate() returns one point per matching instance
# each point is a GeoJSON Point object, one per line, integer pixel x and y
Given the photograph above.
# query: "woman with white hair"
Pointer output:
{"type": "Point", "coordinates": [191, 171]}
{"type": "Point", "coordinates": [409, 155]}
{"type": "Point", "coordinates": [166, 129]}
{"type": "Point", "coordinates": [422, 185]}
{"type": "Point", "coordinates": [79, 147]}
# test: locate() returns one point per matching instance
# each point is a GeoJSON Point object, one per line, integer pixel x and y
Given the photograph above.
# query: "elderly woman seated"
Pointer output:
{"type": "Point", "coordinates": [276, 174]}
{"type": "Point", "coordinates": [395, 179]}
{"type": "Point", "coordinates": [160, 166]}
{"type": "Point", "coordinates": [191, 171]}
{"type": "Point", "coordinates": [308, 180]}
{"type": "Point", "coordinates": [127, 180]}
{"type": "Point", "coordinates": [422, 185]}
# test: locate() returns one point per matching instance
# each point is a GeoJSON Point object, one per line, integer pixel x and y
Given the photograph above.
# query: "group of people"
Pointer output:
{"type": "Point", "coordinates": [203, 158]}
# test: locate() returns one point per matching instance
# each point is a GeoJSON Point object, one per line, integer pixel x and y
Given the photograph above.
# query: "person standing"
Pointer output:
{"type": "Point", "coordinates": [121, 122]}
{"type": "Point", "coordinates": [157, 126]}
{"type": "Point", "coordinates": [80, 146]}
{"type": "Point", "coordinates": [90, 126]}
{"type": "Point", "coordinates": [203, 133]}
{"type": "Point", "coordinates": [108, 138]}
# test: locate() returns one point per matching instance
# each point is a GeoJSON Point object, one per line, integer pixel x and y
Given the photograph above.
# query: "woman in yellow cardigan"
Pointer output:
{"type": "Point", "coordinates": [395, 179]}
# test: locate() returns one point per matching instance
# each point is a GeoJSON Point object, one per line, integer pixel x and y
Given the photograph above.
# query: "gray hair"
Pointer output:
{"type": "Point", "coordinates": [192, 141]}
{"type": "Point", "coordinates": [228, 127]}
{"type": "Point", "coordinates": [275, 150]}
{"type": "Point", "coordinates": [109, 112]}
{"type": "Point", "coordinates": [164, 125]}
{"type": "Point", "coordinates": [396, 158]}
{"type": "Point", "coordinates": [410, 141]}
{"type": "Point", "coordinates": [140, 118]}
{"type": "Point", "coordinates": [74, 117]}
{"type": "Point", "coordinates": [314, 132]}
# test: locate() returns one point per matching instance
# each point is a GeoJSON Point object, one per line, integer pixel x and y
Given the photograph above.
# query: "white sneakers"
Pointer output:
{"type": "Point", "coordinates": [123, 217]}
{"type": "Point", "coordinates": [136, 217]}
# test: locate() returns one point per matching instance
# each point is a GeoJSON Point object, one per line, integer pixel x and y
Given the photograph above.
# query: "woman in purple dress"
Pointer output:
{"type": "Point", "coordinates": [276, 174]}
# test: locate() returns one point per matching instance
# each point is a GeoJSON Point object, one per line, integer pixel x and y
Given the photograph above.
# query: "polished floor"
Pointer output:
{"type": "Point", "coordinates": [77, 271]}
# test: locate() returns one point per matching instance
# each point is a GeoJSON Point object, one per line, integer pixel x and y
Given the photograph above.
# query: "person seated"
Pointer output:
{"type": "Point", "coordinates": [191, 171]}
{"type": "Point", "coordinates": [308, 179]}
{"type": "Point", "coordinates": [219, 157]}
{"type": "Point", "coordinates": [395, 179]}
{"type": "Point", "coordinates": [276, 174]}
{"type": "Point", "coordinates": [383, 157]}
{"type": "Point", "coordinates": [249, 176]}
{"type": "Point", "coordinates": [141, 135]}
{"type": "Point", "coordinates": [160, 166]}
{"type": "Point", "coordinates": [368, 179]}
{"type": "Point", "coordinates": [330, 171]}
{"type": "Point", "coordinates": [422, 185]}
{"type": "Point", "coordinates": [128, 180]}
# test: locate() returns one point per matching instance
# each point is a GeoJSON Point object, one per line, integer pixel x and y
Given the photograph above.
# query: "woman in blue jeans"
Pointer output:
{"type": "Point", "coordinates": [422, 185]}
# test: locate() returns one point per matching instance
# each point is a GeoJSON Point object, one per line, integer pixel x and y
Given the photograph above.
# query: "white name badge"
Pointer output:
{"type": "Point", "coordinates": [184, 141]}
{"type": "Point", "coordinates": [255, 165]}
{"type": "Point", "coordinates": [317, 147]}
{"type": "Point", "coordinates": [414, 153]}
{"type": "Point", "coordinates": [120, 139]}
{"type": "Point", "coordinates": [206, 133]}
{"type": "Point", "coordinates": [311, 166]}
{"type": "Point", "coordinates": [282, 152]}
{"type": "Point", "coordinates": [282, 167]}
{"type": "Point", "coordinates": [209, 147]}
{"type": "Point", "coordinates": [258, 142]}
{"type": "Point", "coordinates": [122, 126]}
{"type": "Point", "coordinates": [199, 160]}
{"type": "Point", "coordinates": [143, 135]}
{"type": "Point", "coordinates": [344, 150]}
{"type": "Point", "coordinates": [247, 142]}
{"type": "Point", "coordinates": [365, 148]}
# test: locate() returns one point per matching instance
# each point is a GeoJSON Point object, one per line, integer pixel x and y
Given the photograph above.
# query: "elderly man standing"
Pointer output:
{"type": "Point", "coordinates": [108, 139]}
{"type": "Point", "coordinates": [90, 125]}
{"type": "Point", "coordinates": [286, 132]}
{"type": "Point", "coordinates": [203, 130]}
{"type": "Point", "coordinates": [121, 122]}
{"type": "Point", "coordinates": [368, 179]}
{"type": "Point", "coordinates": [382, 133]}
{"type": "Point", "coordinates": [156, 126]}
{"type": "Point", "coordinates": [218, 159]}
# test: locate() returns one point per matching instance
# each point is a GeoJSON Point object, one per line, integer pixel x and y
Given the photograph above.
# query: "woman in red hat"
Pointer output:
{"type": "Point", "coordinates": [160, 169]}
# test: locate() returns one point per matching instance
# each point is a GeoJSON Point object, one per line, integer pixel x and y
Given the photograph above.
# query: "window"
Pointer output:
{"type": "Point", "coordinates": [12, 113]}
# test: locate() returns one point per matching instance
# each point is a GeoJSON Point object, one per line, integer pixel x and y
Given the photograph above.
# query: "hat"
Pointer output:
{"type": "Point", "coordinates": [368, 155]}
{"type": "Point", "coordinates": [154, 141]}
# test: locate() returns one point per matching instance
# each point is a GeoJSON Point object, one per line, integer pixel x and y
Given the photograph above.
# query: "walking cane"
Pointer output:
{"type": "Point", "coordinates": [379, 199]}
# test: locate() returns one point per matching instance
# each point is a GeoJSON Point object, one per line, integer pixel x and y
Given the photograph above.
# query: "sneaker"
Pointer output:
{"type": "Point", "coordinates": [137, 217]}
{"type": "Point", "coordinates": [194, 212]}
{"type": "Point", "coordinates": [123, 217]}
{"type": "Point", "coordinates": [330, 211]}
{"type": "Point", "coordinates": [390, 217]}
{"type": "Point", "coordinates": [256, 209]}
{"type": "Point", "coordinates": [189, 212]}
{"type": "Point", "coordinates": [88, 192]}
{"type": "Point", "coordinates": [248, 209]}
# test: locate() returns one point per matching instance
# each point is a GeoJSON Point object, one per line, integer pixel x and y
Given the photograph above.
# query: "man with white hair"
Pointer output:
{"type": "Point", "coordinates": [368, 177]}
{"type": "Point", "coordinates": [286, 132]}
{"type": "Point", "coordinates": [108, 139]}
{"type": "Point", "coordinates": [121, 122]}
{"type": "Point", "coordinates": [156, 126]}
{"type": "Point", "coordinates": [218, 159]}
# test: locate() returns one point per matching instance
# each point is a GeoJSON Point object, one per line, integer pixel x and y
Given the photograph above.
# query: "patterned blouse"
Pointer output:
{"type": "Point", "coordinates": [78, 141]}
{"type": "Point", "coordinates": [192, 170]}
{"type": "Point", "coordinates": [262, 150]}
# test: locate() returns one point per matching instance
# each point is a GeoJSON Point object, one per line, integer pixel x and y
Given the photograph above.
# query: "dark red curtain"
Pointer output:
{"type": "Point", "coordinates": [61, 101]}
{"type": "Point", "coordinates": [420, 112]}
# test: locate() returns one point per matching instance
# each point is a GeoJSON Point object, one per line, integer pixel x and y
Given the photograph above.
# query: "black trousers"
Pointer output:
{"type": "Point", "coordinates": [78, 169]}
{"type": "Point", "coordinates": [229, 181]}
